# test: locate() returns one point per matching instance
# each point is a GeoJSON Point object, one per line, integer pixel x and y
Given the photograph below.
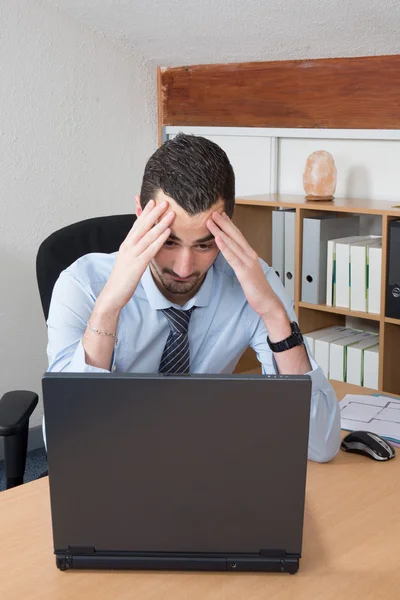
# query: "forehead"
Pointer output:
{"type": "Point", "coordinates": [187, 227]}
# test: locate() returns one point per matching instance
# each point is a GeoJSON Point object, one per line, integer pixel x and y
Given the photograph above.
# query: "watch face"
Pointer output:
{"type": "Point", "coordinates": [295, 327]}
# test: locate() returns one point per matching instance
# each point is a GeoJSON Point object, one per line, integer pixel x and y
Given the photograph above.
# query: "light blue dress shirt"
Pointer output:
{"type": "Point", "coordinates": [221, 328]}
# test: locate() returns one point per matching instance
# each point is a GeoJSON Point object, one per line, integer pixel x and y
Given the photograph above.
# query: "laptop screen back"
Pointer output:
{"type": "Point", "coordinates": [204, 464]}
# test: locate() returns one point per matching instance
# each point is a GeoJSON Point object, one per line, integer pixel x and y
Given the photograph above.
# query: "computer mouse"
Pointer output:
{"type": "Point", "coordinates": [369, 444]}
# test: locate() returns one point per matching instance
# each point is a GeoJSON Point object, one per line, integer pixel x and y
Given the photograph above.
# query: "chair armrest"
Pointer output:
{"type": "Point", "coordinates": [15, 409]}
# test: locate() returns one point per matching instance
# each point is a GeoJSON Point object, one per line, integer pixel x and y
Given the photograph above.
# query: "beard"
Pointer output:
{"type": "Point", "coordinates": [167, 279]}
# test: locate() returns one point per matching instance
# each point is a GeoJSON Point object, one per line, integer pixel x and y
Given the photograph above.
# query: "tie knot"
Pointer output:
{"type": "Point", "coordinates": [178, 319]}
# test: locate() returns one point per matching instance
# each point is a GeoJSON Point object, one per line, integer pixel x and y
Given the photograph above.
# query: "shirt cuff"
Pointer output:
{"type": "Point", "coordinates": [315, 374]}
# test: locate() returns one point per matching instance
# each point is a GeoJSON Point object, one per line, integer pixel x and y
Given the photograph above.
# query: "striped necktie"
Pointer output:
{"type": "Point", "coordinates": [176, 355]}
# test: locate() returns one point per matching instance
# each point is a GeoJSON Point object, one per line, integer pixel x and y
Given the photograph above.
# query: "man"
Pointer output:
{"type": "Point", "coordinates": [185, 292]}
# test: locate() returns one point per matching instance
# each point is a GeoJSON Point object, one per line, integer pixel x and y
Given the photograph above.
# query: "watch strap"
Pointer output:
{"type": "Point", "coordinates": [295, 339]}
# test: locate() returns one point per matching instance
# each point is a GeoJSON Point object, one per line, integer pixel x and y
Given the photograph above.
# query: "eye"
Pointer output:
{"type": "Point", "coordinates": [169, 244]}
{"type": "Point", "coordinates": [205, 247]}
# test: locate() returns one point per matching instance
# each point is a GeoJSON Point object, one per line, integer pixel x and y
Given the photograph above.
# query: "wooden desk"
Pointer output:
{"type": "Point", "coordinates": [351, 547]}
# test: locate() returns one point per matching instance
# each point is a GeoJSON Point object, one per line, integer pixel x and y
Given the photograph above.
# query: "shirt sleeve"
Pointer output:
{"type": "Point", "coordinates": [324, 434]}
{"type": "Point", "coordinates": [70, 309]}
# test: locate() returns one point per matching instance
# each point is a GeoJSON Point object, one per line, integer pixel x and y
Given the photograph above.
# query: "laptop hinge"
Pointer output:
{"type": "Point", "coordinates": [81, 550]}
{"type": "Point", "coordinates": [268, 560]}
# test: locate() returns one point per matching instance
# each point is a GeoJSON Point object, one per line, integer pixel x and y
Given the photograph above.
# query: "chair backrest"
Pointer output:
{"type": "Point", "coordinates": [65, 246]}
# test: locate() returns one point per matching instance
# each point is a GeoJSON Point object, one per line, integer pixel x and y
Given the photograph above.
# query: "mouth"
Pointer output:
{"type": "Point", "coordinates": [176, 278]}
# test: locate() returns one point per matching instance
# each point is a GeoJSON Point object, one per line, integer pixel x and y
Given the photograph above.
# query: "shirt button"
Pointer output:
{"type": "Point", "coordinates": [114, 368]}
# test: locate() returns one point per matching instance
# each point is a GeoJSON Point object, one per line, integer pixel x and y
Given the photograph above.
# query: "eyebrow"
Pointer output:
{"type": "Point", "coordinates": [207, 238]}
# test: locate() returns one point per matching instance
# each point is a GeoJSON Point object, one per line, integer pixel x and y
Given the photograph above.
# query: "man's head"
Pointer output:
{"type": "Point", "coordinates": [191, 170]}
{"type": "Point", "coordinates": [196, 178]}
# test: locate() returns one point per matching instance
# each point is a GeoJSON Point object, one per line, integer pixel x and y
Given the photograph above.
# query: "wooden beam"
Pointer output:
{"type": "Point", "coordinates": [349, 93]}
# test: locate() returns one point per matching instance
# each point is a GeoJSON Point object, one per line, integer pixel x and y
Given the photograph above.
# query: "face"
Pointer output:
{"type": "Point", "coordinates": [180, 266]}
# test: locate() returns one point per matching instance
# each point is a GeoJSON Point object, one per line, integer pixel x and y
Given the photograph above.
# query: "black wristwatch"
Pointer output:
{"type": "Point", "coordinates": [296, 339]}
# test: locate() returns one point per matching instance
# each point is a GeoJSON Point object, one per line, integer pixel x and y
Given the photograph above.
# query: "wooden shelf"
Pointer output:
{"type": "Point", "coordinates": [341, 311]}
{"type": "Point", "coordinates": [253, 216]}
{"type": "Point", "coordinates": [392, 321]}
{"type": "Point", "coordinates": [347, 205]}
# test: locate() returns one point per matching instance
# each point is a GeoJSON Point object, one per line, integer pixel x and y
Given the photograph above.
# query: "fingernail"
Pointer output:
{"type": "Point", "coordinates": [163, 204]}
{"type": "Point", "coordinates": [151, 203]}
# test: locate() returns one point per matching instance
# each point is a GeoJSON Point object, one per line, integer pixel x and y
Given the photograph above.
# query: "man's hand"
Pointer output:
{"type": "Point", "coordinates": [245, 262]}
{"type": "Point", "coordinates": [141, 244]}
{"type": "Point", "coordinates": [259, 294]}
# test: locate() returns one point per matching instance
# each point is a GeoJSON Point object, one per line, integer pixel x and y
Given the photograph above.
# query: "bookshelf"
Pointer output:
{"type": "Point", "coordinates": [253, 216]}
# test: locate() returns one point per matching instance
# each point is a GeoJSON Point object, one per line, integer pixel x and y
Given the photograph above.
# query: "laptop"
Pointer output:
{"type": "Point", "coordinates": [199, 472]}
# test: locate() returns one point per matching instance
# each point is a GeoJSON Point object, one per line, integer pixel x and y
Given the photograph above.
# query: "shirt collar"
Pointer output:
{"type": "Point", "coordinates": [157, 301]}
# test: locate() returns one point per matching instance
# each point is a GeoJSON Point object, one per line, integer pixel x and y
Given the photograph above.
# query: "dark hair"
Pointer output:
{"type": "Point", "coordinates": [193, 171]}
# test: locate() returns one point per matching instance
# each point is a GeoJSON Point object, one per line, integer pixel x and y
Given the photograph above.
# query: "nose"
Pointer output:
{"type": "Point", "coordinates": [183, 265]}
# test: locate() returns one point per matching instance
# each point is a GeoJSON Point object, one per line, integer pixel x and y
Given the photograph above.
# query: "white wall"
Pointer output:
{"type": "Point", "coordinates": [77, 124]}
{"type": "Point", "coordinates": [272, 160]}
{"type": "Point", "coordinates": [365, 168]}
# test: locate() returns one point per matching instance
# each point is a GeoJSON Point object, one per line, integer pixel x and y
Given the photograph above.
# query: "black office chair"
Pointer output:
{"type": "Point", "coordinates": [56, 253]}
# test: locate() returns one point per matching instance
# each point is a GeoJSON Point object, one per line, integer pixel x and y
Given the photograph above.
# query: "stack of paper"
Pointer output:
{"type": "Point", "coordinates": [378, 414]}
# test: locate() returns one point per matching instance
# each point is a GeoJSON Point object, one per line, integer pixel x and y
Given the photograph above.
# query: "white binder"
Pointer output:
{"type": "Point", "coordinates": [358, 274]}
{"type": "Point", "coordinates": [371, 367]}
{"type": "Point", "coordinates": [374, 278]}
{"type": "Point", "coordinates": [311, 336]}
{"type": "Point", "coordinates": [278, 243]}
{"type": "Point", "coordinates": [331, 267]}
{"type": "Point", "coordinates": [338, 354]}
{"type": "Point", "coordinates": [322, 347]}
{"type": "Point", "coordinates": [342, 269]}
{"type": "Point", "coordinates": [330, 272]}
{"type": "Point", "coordinates": [290, 251]}
{"type": "Point", "coordinates": [316, 233]}
{"type": "Point", "coordinates": [355, 357]}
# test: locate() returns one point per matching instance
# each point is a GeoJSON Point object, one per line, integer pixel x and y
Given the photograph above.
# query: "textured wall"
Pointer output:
{"type": "Point", "coordinates": [77, 123]}
{"type": "Point", "coordinates": [189, 32]}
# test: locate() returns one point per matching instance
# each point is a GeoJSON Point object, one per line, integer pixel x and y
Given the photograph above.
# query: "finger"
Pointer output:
{"type": "Point", "coordinates": [154, 233]}
{"type": "Point", "coordinates": [147, 209]}
{"type": "Point", "coordinates": [147, 220]}
{"type": "Point", "coordinates": [155, 246]}
{"type": "Point", "coordinates": [149, 206]}
{"type": "Point", "coordinates": [228, 242]}
{"type": "Point", "coordinates": [223, 220]}
{"type": "Point", "coordinates": [230, 256]}
{"type": "Point", "coordinates": [226, 225]}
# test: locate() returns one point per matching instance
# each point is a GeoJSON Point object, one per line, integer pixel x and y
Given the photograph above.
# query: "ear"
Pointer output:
{"type": "Point", "coordinates": [139, 209]}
